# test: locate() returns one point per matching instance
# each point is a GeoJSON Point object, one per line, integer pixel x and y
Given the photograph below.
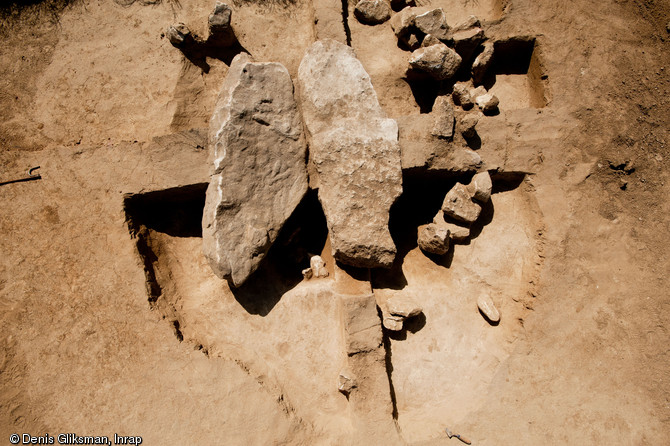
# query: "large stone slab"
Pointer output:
{"type": "Point", "coordinates": [354, 148]}
{"type": "Point", "coordinates": [259, 176]}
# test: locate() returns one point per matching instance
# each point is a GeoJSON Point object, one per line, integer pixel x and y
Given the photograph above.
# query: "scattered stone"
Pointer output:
{"type": "Point", "coordinates": [433, 239]}
{"type": "Point", "coordinates": [318, 266]}
{"type": "Point", "coordinates": [179, 35]}
{"type": "Point", "coordinates": [373, 12]}
{"type": "Point", "coordinates": [355, 151]}
{"type": "Point", "coordinates": [403, 306]}
{"type": "Point", "coordinates": [443, 109]}
{"type": "Point", "coordinates": [467, 41]}
{"type": "Point", "coordinates": [430, 40]}
{"type": "Point", "coordinates": [470, 22]}
{"type": "Point", "coordinates": [393, 323]}
{"type": "Point", "coordinates": [220, 29]}
{"type": "Point", "coordinates": [433, 22]}
{"type": "Point", "coordinates": [461, 96]}
{"type": "Point", "coordinates": [488, 308]}
{"type": "Point", "coordinates": [259, 176]}
{"type": "Point", "coordinates": [467, 124]}
{"type": "Point", "coordinates": [458, 204]}
{"type": "Point", "coordinates": [488, 103]}
{"type": "Point", "coordinates": [457, 232]}
{"type": "Point", "coordinates": [482, 63]}
{"type": "Point", "coordinates": [480, 187]}
{"type": "Point", "coordinates": [346, 382]}
{"type": "Point", "coordinates": [439, 61]}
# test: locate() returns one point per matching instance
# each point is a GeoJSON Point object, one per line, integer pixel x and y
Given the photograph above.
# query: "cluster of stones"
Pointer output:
{"type": "Point", "coordinates": [221, 34]}
{"type": "Point", "coordinates": [460, 209]}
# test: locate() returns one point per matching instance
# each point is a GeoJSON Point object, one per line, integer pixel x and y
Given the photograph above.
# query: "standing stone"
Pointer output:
{"type": "Point", "coordinates": [438, 61]}
{"type": "Point", "coordinates": [372, 12]}
{"type": "Point", "coordinates": [259, 174]}
{"type": "Point", "coordinates": [220, 28]}
{"type": "Point", "coordinates": [433, 239]}
{"type": "Point", "coordinates": [355, 150]}
{"type": "Point", "coordinates": [482, 63]}
{"type": "Point", "coordinates": [443, 109]}
{"type": "Point", "coordinates": [458, 204]}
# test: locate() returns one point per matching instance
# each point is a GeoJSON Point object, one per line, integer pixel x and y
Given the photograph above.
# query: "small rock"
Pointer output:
{"type": "Point", "coordinates": [433, 22]}
{"type": "Point", "coordinates": [346, 382]}
{"type": "Point", "coordinates": [433, 239]}
{"type": "Point", "coordinates": [318, 266]}
{"type": "Point", "coordinates": [461, 96]}
{"type": "Point", "coordinates": [479, 91]}
{"type": "Point", "coordinates": [457, 232]}
{"type": "Point", "coordinates": [372, 12]}
{"type": "Point", "coordinates": [467, 124]}
{"type": "Point", "coordinates": [482, 63]}
{"type": "Point", "coordinates": [467, 41]}
{"type": "Point", "coordinates": [403, 306]}
{"type": "Point", "coordinates": [488, 103]}
{"type": "Point", "coordinates": [403, 21]}
{"type": "Point", "coordinates": [179, 35]}
{"type": "Point", "coordinates": [488, 308]}
{"type": "Point", "coordinates": [443, 109]}
{"type": "Point", "coordinates": [439, 61]}
{"type": "Point", "coordinates": [307, 273]}
{"type": "Point", "coordinates": [480, 187]}
{"type": "Point", "coordinates": [220, 29]}
{"type": "Point", "coordinates": [458, 204]}
{"type": "Point", "coordinates": [430, 40]}
{"type": "Point", "coordinates": [393, 323]}
{"type": "Point", "coordinates": [412, 42]}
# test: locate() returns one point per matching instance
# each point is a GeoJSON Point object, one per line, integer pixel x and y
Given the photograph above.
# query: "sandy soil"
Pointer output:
{"type": "Point", "coordinates": [574, 255]}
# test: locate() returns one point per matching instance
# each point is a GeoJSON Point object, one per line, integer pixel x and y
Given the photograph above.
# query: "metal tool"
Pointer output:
{"type": "Point", "coordinates": [31, 176]}
{"type": "Point", "coordinates": [451, 434]}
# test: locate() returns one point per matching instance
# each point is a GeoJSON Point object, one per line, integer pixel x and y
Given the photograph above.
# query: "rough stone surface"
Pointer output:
{"type": "Point", "coordinates": [430, 40]}
{"type": "Point", "coordinates": [458, 204]}
{"type": "Point", "coordinates": [433, 239]}
{"type": "Point", "coordinates": [439, 61]}
{"type": "Point", "coordinates": [372, 12]}
{"type": "Point", "coordinates": [346, 382]}
{"type": "Point", "coordinates": [488, 103]}
{"type": "Point", "coordinates": [471, 22]}
{"type": "Point", "coordinates": [467, 124]}
{"type": "Point", "coordinates": [433, 22]}
{"type": "Point", "coordinates": [361, 324]}
{"type": "Point", "coordinates": [482, 63]}
{"type": "Point", "coordinates": [480, 187]}
{"type": "Point", "coordinates": [443, 109]}
{"type": "Point", "coordinates": [402, 22]}
{"type": "Point", "coordinates": [393, 323]}
{"type": "Point", "coordinates": [179, 35]}
{"type": "Point", "coordinates": [457, 231]}
{"type": "Point", "coordinates": [220, 28]}
{"type": "Point", "coordinates": [259, 174]}
{"type": "Point", "coordinates": [318, 266]}
{"type": "Point", "coordinates": [355, 150]}
{"type": "Point", "coordinates": [403, 306]}
{"type": "Point", "coordinates": [488, 308]}
{"type": "Point", "coordinates": [461, 96]}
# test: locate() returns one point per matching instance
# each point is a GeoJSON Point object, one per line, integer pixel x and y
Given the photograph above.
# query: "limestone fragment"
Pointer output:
{"type": "Point", "coordinates": [430, 40]}
{"type": "Point", "coordinates": [457, 231]}
{"type": "Point", "coordinates": [461, 96]}
{"type": "Point", "coordinates": [488, 308]}
{"type": "Point", "coordinates": [220, 28]}
{"type": "Point", "coordinates": [480, 187]}
{"type": "Point", "coordinates": [471, 22]}
{"type": "Point", "coordinates": [318, 266]}
{"type": "Point", "coordinates": [433, 239]}
{"type": "Point", "coordinates": [439, 61]}
{"type": "Point", "coordinates": [403, 306]}
{"type": "Point", "coordinates": [373, 12]}
{"type": "Point", "coordinates": [346, 382]}
{"type": "Point", "coordinates": [488, 103]}
{"type": "Point", "coordinates": [458, 204]}
{"type": "Point", "coordinates": [307, 273]}
{"type": "Point", "coordinates": [179, 35]}
{"type": "Point", "coordinates": [482, 63]}
{"type": "Point", "coordinates": [393, 323]}
{"type": "Point", "coordinates": [355, 151]}
{"type": "Point", "coordinates": [433, 22]}
{"type": "Point", "coordinates": [259, 173]}
{"type": "Point", "coordinates": [443, 109]}
{"type": "Point", "coordinates": [467, 124]}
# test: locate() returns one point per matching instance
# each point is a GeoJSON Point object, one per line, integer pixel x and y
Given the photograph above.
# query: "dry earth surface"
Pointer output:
{"type": "Point", "coordinates": [574, 252]}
